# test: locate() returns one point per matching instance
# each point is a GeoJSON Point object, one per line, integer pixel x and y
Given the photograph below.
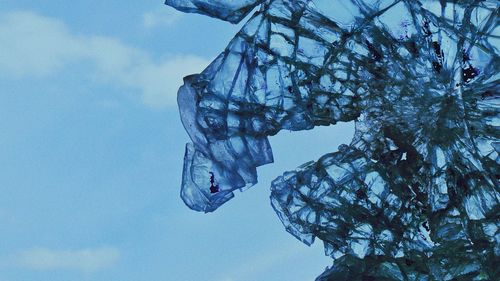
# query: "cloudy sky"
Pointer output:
{"type": "Point", "coordinates": [91, 151]}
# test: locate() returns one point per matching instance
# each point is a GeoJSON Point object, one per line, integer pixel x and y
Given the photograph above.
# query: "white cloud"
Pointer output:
{"type": "Point", "coordinates": [38, 46]}
{"type": "Point", "coordinates": [163, 17]}
{"type": "Point", "coordinates": [86, 260]}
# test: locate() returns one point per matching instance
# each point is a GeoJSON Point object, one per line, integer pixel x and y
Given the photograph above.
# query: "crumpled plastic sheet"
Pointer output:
{"type": "Point", "coordinates": [415, 195]}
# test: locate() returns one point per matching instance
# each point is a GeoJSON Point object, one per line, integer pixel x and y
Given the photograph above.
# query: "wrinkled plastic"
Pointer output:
{"type": "Point", "coordinates": [415, 195]}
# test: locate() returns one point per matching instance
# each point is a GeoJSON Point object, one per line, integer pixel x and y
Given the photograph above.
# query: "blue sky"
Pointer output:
{"type": "Point", "coordinates": [91, 150]}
